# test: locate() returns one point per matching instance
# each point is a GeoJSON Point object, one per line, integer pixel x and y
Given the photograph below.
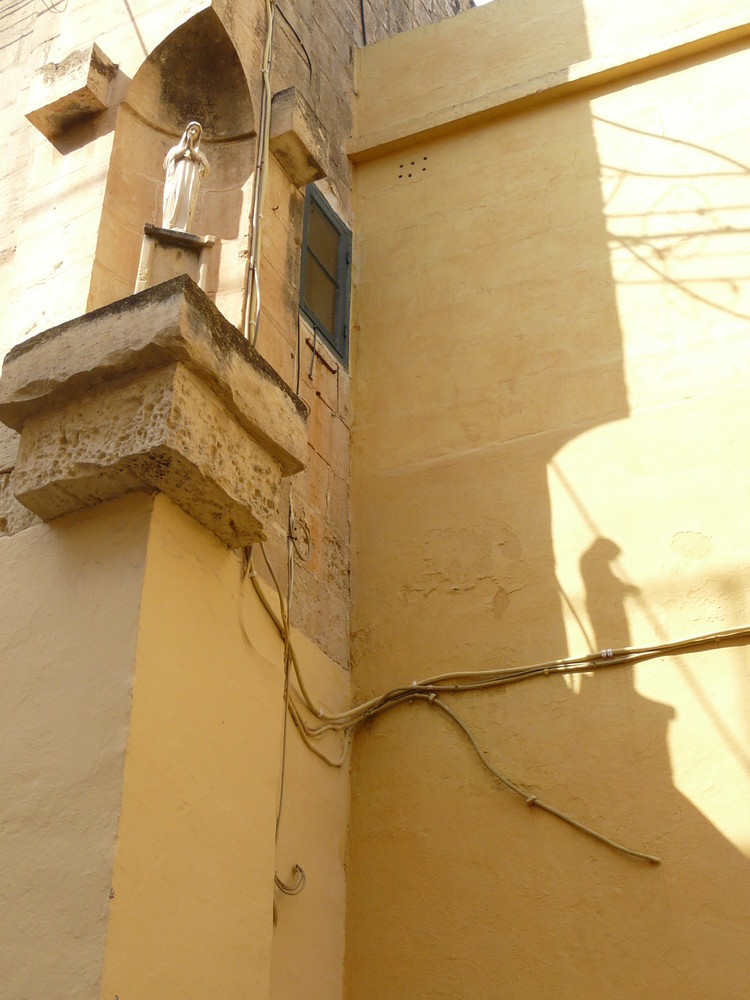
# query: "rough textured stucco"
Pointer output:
{"type": "Point", "coordinates": [69, 598]}
{"type": "Point", "coordinates": [548, 457]}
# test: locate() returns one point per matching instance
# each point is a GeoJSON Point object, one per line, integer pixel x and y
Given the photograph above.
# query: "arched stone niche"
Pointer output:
{"type": "Point", "coordinates": [194, 74]}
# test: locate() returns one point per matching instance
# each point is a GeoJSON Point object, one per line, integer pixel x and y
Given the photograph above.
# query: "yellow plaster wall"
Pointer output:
{"type": "Point", "coordinates": [69, 599]}
{"type": "Point", "coordinates": [193, 894]}
{"type": "Point", "coordinates": [307, 958]}
{"type": "Point", "coordinates": [488, 60]}
{"type": "Point", "coordinates": [675, 183]}
{"type": "Point", "coordinates": [550, 379]}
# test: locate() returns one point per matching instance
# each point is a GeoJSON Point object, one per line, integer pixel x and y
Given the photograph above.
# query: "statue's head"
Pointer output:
{"type": "Point", "coordinates": [192, 135]}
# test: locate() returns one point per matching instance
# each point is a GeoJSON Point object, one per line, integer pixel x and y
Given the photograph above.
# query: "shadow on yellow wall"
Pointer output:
{"type": "Point", "coordinates": [495, 337]}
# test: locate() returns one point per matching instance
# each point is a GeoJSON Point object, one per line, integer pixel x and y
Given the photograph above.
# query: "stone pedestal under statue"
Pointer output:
{"type": "Point", "coordinates": [167, 253]}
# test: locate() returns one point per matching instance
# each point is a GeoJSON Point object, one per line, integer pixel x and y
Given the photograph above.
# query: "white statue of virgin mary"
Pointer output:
{"type": "Point", "coordinates": [186, 166]}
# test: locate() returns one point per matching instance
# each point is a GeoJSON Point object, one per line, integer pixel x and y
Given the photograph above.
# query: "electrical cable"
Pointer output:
{"type": "Point", "coordinates": [298, 884]}
{"type": "Point", "coordinates": [299, 532]}
{"type": "Point", "coordinates": [279, 626]}
{"type": "Point", "coordinates": [307, 740]}
{"type": "Point", "coordinates": [529, 799]}
{"type": "Point", "coordinates": [408, 695]}
{"type": "Point", "coordinates": [296, 887]}
{"type": "Point", "coordinates": [468, 680]}
{"type": "Point", "coordinates": [287, 633]}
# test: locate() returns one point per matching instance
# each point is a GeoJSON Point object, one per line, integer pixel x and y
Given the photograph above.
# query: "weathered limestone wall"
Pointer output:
{"type": "Point", "coordinates": [52, 196]}
{"type": "Point", "coordinates": [69, 599]}
{"type": "Point", "coordinates": [74, 205]}
{"type": "Point", "coordinates": [329, 36]}
{"type": "Point", "coordinates": [551, 375]}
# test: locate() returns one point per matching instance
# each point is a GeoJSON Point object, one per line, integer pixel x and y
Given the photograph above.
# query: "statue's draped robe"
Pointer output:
{"type": "Point", "coordinates": [180, 190]}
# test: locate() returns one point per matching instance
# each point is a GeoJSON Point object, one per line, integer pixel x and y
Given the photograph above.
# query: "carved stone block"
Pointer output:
{"type": "Point", "coordinates": [157, 392]}
{"type": "Point", "coordinates": [166, 253]}
{"type": "Point", "coordinates": [297, 138]}
{"type": "Point", "coordinates": [62, 94]}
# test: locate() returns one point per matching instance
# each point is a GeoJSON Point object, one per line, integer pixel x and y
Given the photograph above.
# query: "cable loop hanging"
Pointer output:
{"type": "Point", "coordinates": [301, 536]}
{"type": "Point", "coordinates": [296, 886]}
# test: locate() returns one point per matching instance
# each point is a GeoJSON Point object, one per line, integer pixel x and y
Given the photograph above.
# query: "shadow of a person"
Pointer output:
{"type": "Point", "coordinates": [605, 594]}
{"type": "Point", "coordinates": [625, 736]}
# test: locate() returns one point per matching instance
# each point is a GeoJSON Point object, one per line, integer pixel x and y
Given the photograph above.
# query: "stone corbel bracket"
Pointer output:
{"type": "Point", "coordinates": [156, 392]}
{"type": "Point", "coordinates": [297, 138]}
{"type": "Point", "coordinates": [65, 93]}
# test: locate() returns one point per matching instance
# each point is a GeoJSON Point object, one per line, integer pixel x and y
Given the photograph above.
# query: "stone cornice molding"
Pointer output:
{"type": "Point", "coordinates": [155, 392]}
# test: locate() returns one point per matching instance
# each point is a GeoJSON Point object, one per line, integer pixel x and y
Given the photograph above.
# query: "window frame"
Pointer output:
{"type": "Point", "coordinates": [338, 338]}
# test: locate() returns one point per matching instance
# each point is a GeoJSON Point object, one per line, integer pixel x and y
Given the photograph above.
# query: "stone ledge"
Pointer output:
{"type": "Point", "coordinates": [158, 392]}
{"type": "Point", "coordinates": [65, 93]}
{"type": "Point", "coordinates": [297, 138]}
{"type": "Point", "coordinates": [173, 321]}
{"type": "Point", "coordinates": [178, 238]}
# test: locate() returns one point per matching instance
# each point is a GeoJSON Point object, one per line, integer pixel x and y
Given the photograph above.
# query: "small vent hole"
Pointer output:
{"type": "Point", "coordinates": [405, 172]}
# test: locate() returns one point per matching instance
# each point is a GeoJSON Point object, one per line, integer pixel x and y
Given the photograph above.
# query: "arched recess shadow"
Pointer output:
{"type": "Point", "coordinates": [193, 74]}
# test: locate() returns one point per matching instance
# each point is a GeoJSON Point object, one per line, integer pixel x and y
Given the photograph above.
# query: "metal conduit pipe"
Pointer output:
{"type": "Point", "coordinates": [251, 297]}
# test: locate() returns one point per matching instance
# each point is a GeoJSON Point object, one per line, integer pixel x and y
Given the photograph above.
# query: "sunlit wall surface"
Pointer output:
{"type": "Point", "coordinates": [551, 373]}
